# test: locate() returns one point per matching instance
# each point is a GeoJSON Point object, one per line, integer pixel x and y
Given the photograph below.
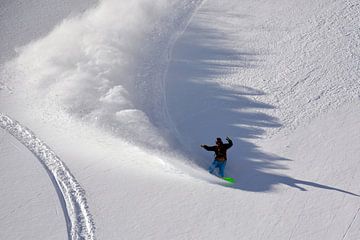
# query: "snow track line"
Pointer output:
{"type": "Point", "coordinates": [351, 223]}
{"type": "Point", "coordinates": [79, 221]}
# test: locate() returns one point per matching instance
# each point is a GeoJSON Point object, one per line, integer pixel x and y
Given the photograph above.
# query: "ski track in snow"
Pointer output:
{"type": "Point", "coordinates": [351, 224]}
{"type": "Point", "coordinates": [79, 221]}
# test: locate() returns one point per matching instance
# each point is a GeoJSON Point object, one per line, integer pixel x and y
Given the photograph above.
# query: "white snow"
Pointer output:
{"type": "Point", "coordinates": [71, 195]}
{"type": "Point", "coordinates": [123, 93]}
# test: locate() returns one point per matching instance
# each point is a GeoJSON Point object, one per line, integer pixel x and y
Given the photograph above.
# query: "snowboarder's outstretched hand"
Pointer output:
{"type": "Point", "coordinates": [202, 145]}
{"type": "Point", "coordinates": [228, 139]}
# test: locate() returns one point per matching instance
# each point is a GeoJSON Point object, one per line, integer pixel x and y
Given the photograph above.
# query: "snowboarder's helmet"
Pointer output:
{"type": "Point", "coordinates": [218, 140]}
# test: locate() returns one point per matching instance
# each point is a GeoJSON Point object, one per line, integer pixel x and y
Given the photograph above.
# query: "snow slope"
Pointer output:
{"type": "Point", "coordinates": [30, 207]}
{"type": "Point", "coordinates": [71, 195]}
{"type": "Point", "coordinates": [125, 93]}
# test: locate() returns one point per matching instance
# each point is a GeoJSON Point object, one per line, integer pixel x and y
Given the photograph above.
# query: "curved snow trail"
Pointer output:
{"type": "Point", "coordinates": [72, 196]}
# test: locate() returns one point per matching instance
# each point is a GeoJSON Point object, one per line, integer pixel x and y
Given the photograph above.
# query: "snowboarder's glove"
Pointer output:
{"type": "Point", "coordinates": [202, 146]}
{"type": "Point", "coordinates": [228, 139]}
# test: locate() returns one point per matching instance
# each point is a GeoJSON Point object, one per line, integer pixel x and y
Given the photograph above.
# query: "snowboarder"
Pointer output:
{"type": "Point", "coordinates": [220, 155]}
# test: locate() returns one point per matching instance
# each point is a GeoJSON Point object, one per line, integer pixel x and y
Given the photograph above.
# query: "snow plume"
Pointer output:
{"type": "Point", "coordinates": [105, 67]}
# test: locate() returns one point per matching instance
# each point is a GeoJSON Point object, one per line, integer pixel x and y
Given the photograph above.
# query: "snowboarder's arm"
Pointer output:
{"type": "Point", "coordinates": [230, 142]}
{"type": "Point", "coordinates": [208, 148]}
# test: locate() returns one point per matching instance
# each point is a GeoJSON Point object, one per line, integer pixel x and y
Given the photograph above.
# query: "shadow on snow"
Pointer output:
{"type": "Point", "coordinates": [202, 110]}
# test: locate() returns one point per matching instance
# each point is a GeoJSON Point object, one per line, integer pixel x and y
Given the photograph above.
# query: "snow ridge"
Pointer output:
{"type": "Point", "coordinates": [80, 223]}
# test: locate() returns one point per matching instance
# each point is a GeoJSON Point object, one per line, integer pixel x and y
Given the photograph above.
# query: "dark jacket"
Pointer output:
{"type": "Point", "coordinates": [220, 151]}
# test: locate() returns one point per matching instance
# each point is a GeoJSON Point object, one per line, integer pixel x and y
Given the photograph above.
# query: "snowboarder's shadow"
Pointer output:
{"type": "Point", "coordinates": [249, 167]}
{"type": "Point", "coordinates": [262, 182]}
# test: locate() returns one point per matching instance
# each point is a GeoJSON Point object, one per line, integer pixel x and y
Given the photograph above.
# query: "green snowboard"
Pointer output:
{"type": "Point", "coordinates": [229, 179]}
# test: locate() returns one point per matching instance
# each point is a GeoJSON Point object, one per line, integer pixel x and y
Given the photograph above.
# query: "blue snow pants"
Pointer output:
{"type": "Point", "coordinates": [218, 164]}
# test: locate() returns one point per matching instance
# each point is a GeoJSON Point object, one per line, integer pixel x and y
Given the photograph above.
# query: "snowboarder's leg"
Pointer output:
{"type": "Point", "coordinates": [212, 167]}
{"type": "Point", "coordinates": [222, 169]}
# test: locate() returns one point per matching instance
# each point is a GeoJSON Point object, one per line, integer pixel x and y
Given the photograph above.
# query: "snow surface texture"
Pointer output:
{"type": "Point", "coordinates": [255, 69]}
{"type": "Point", "coordinates": [104, 87]}
{"type": "Point", "coordinates": [79, 220]}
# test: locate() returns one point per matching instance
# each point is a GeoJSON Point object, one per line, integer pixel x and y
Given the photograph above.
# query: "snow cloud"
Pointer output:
{"type": "Point", "coordinates": [105, 66]}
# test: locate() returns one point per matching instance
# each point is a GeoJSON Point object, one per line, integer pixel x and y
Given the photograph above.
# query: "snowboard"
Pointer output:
{"type": "Point", "coordinates": [229, 179]}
